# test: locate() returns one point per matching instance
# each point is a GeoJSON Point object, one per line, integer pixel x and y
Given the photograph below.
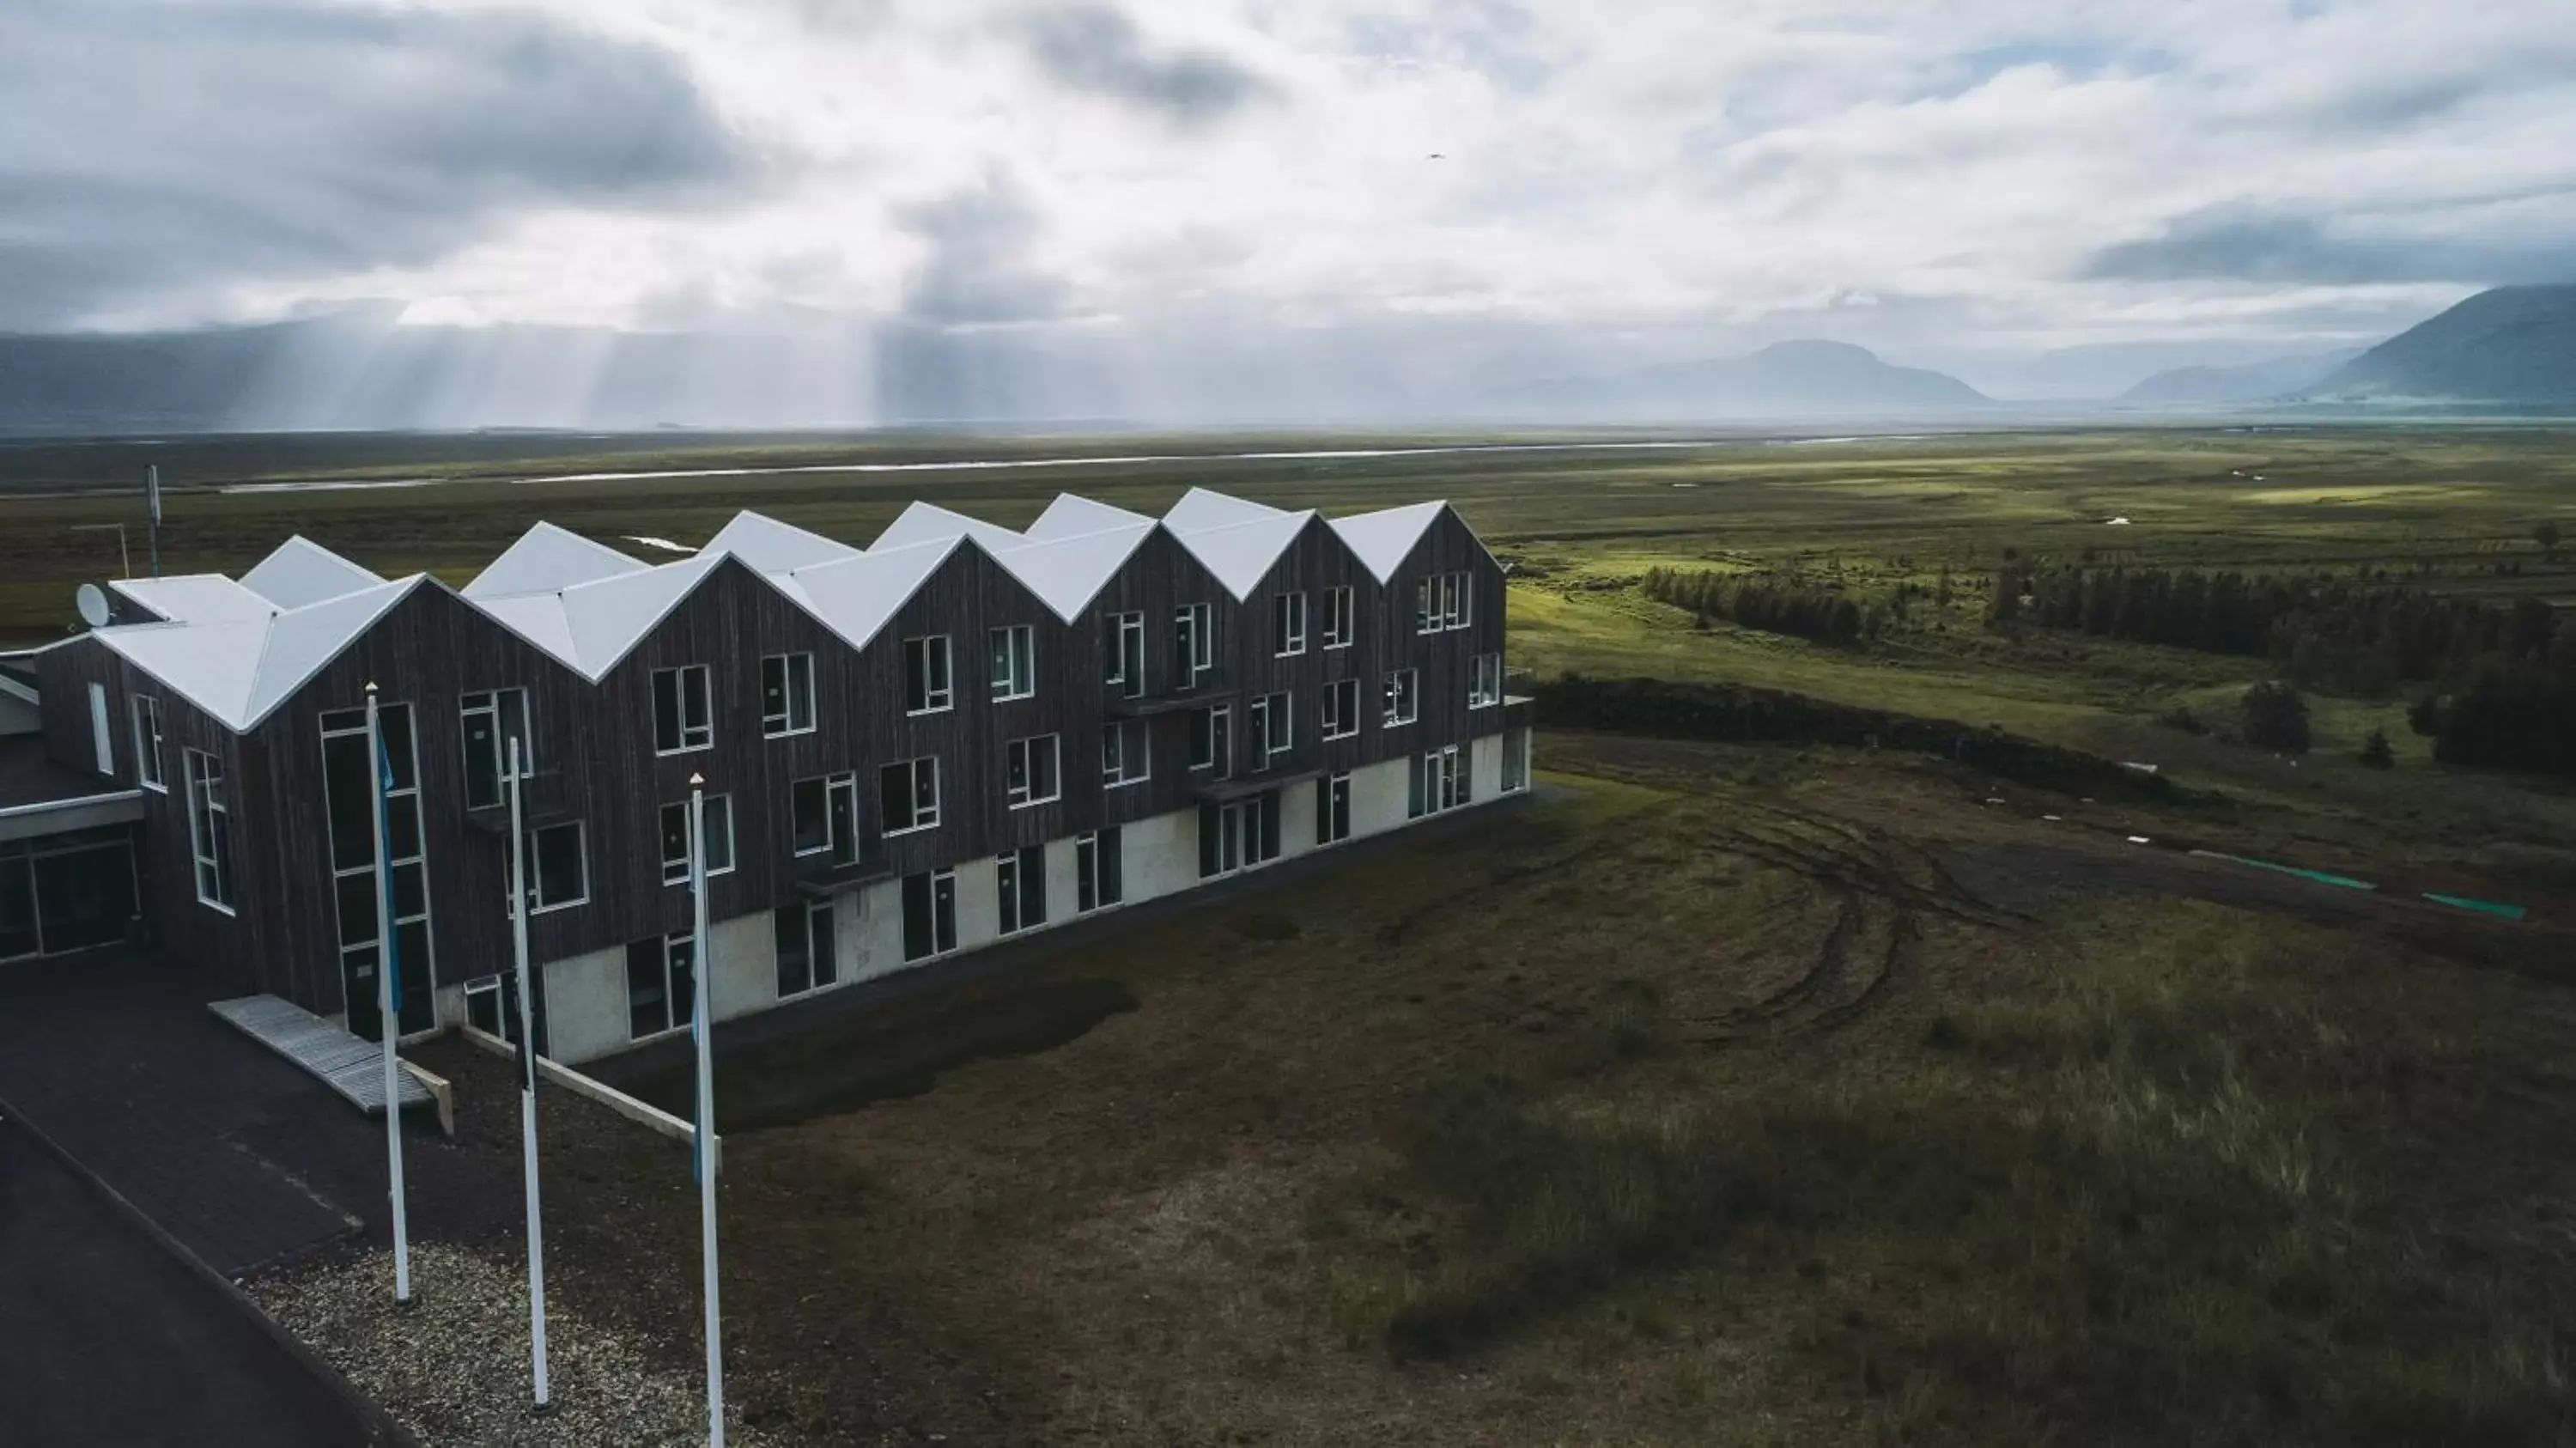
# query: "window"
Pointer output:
{"type": "Point", "coordinates": [929, 914]}
{"type": "Point", "coordinates": [1341, 718]}
{"type": "Point", "coordinates": [210, 829]}
{"type": "Point", "coordinates": [1194, 643]}
{"type": "Point", "coordinates": [1015, 661]}
{"type": "Point", "coordinates": [1126, 756]}
{"type": "Point", "coordinates": [1440, 602]}
{"type": "Point", "coordinates": [1238, 834]}
{"type": "Point", "coordinates": [1485, 686]}
{"type": "Point", "coordinates": [926, 688]}
{"type": "Point", "coordinates": [1288, 619]}
{"type": "Point", "coordinates": [1272, 726]}
{"type": "Point", "coordinates": [1212, 739]}
{"type": "Point", "coordinates": [1029, 771]}
{"type": "Point", "coordinates": [558, 867]}
{"type": "Point", "coordinates": [1020, 881]}
{"type": "Point", "coordinates": [908, 795]}
{"type": "Point", "coordinates": [1516, 743]}
{"type": "Point", "coordinates": [1426, 605]}
{"type": "Point", "coordinates": [1333, 808]}
{"type": "Point", "coordinates": [718, 830]}
{"type": "Point", "coordinates": [1403, 696]}
{"type": "Point", "coordinates": [102, 736]}
{"type": "Point", "coordinates": [1099, 871]}
{"type": "Point", "coordinates": [823, 816]}
{"type": "Point", "coordinates": [803, 935]}
{"type": "Point", "coordinates": [661, 984]}
{"type": "Point", "coordinates": [1338, 627]}
{"type": "Point", "coordinates": [1439, 783]}
{"type": "Point", "coordinates": [1453, 600]}
{"type": "Point", "coordinates": [350, 772]}
{"type": "Point", "coordinates": [493, 719]}
{"type": "Point", "coordinates": [786, 695]}
{"type": "Point", "coordinates": [1125, 648]}
{"type": "Point", "coordinates": [682, 717]}
{"type": "Point", "coordinates": [147, 743]}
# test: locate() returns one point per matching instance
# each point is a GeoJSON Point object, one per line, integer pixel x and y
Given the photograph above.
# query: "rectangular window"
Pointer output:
{"type": "Point", "coordinates": [786, 695]}
{"type": "Point", "coordinates": [492, 720]}
{"type": "Point", "coordinates": [1403, 696]}
{"type": "Point", "coordinates": [1029, 771]}
{"type": "Point", "coordinates": [210, 829]}
{"type": "Point", "coordinates": [102, 736]}
{"type": "Point", "coordinates": [558, 868]}
{"type": "Point", "coordinates": [1426, 605]}
{"type": "Point", "coordinates": [1339, 629]}
{"type": "Point", "coordinates": [147, 743]}
{"type": "Point", "coordinates": [929, 914]}
{"type": "Point", "coordinates": [1333, 808]}
{"type": "Point", "coordinates": [926, 688]}
{"type": "Point", "coordinates": [1439, 782]}
{"type": "Point", "coordinates": [1272, 727]}
{"type": "Point", "coordinates": [823, 816]}
{"type": "Point", "coordinates": [1453, 600]}
{"type": "Point", "coordinates": [1288, 624]}
{"type": "Point", "coordinates": [908, 794]}
{"type": "Point", "coordinates": [1020, 881]}
{"type": "Point", "coordinates": [1125, 650]}
{"type": "Point", "coordinates": [718, 830]}
{"type": "Point", "coordinates": [1440, 602]}
{"type": "Point", "coordinates": [1015, 661]}
{"type": "Point", "coordinates": [1212, 740]}
{"type": "Point", "coordinates": [1126, 755]}
{"type": "Point", "coordinates": [1341, 710]}
{"type": "Point", "coordinates": [803, 936]}
{"type": "Point", "coordinates": [1516, 743]}
{"type": "Point", "coordinates": [1099, 871]}
{"type": "Point", "coordinates": [1194, 643]}
{"type": "Point", "coordinates": [683, 717]}
{"type": "Point", "coordinates": [350, 772]}
{"type": "Point", "coordinates": [661, 984]}
{"type": "Point", "coordinates": [1485, 684]}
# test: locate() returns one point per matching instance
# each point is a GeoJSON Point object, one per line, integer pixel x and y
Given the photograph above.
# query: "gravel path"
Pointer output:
{"type": "Point", "coordinates": [454, 1368]}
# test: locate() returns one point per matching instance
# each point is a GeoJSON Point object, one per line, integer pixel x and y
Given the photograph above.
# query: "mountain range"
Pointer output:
{"type": "Point", "coordinates": [1785, 379]}
{"type": "Point", "coordinates": [2250, 382]}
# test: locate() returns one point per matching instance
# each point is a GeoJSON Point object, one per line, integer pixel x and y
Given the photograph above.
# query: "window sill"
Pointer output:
{"type": "Point", "coordinates": [536, 910]}
{"type": "Point", "coordinates": [683, 881]}
{"type": "Point", "coordinates": [1124, 783]}
{"type": "Point", "coordinates": [768, 733]}
{"type": "Point", "coordinates": [216, 905]}
{"type": "Point", "coordinates": [684, 749]}
{"type": "Point", "coordinates": [1034, 803]}
{"type": "Point", "coordinates": [933, 709]}
{"type": "Point", "coordinates": [1330, 646]}
{"type": "Point", "coordinates": [1015, 698]}
{"type": "Point", "coordinates": [1483, 703]}
{"type": "Point", "coordinates": [909, 830]}
{"type": "Point", "coordinates": [1295, 653]}
{"type": "Point", "coordinates": [1399, 723]}
{"type": "Point", "coordinates": [1345, 734]}
{"type": "Point", "coordinates": [156, 788]}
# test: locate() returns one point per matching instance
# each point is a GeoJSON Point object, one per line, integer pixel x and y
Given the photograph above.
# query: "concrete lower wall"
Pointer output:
{"type": "Point", "coordinates": [586, 1008]}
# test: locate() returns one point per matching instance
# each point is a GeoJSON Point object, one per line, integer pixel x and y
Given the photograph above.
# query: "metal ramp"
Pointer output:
{"type": "Point", "coordinates": [350, 1065]}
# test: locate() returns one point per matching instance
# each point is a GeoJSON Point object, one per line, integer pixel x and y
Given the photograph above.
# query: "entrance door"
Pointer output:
{"type": "Point", "coordinates": [358, 978]}
{"type": "Point", "coordinates": [84, 897]}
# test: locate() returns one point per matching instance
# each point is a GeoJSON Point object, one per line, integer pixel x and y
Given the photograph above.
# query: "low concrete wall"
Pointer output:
{"type": "Point", "coordinates": [586, 1004]}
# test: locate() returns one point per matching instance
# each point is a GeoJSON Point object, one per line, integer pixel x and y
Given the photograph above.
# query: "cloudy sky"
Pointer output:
{"type": "Point", "coordinates": [1468, 191]}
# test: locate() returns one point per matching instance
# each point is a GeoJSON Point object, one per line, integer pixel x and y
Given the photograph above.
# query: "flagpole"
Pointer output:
{"type": "Point", "coordinates": [704, 1138]}
{"type": "Point", "coordinates": [388, 1020]}
{"type": "Point", "coordinates": [528, 1088]}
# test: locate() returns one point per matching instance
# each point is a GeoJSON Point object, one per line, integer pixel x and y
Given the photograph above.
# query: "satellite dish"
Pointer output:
{"type": "Point", "coordinates": [91, 600]}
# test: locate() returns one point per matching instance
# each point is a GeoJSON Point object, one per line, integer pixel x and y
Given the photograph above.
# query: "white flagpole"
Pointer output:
{"type": "Point", "coordinates": [388, 1021]}
{"type": "Point", "coordinates": [704, 1139]}
{"type": "Point", "coordinates": [527, 1087]}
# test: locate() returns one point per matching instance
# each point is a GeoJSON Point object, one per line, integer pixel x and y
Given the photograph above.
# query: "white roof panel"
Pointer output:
{"type": "Point", "coordinates": [1241, 554]}
{"type": "Point", "coordinates": [1383, 539]}
{"type": "Point", "coordinates": [1069, 515]}
{"type": "Point", "coordinates": [609, 616]}
{"type": "Point", "coordinates": [240, 670]}
{"type": "Point", "coordinates": [537, 617]}
{"type": "Point", "coordinates": [770, 546]}
{"type": "Point", "coordinates": [855, 596]}
{"type": "Point", "coordinates": [302, 640]}
{"type": "Point", "coordinates": [196, 598]}
{"type": "Point", "coordinates": [930, 523]}
{"type": "Point", "coordinates": [1068, 572]}
{"type": "Point", "coordinates": [1200, 508]}
{"type": "Point", "coordinates": [302, 571]}
{"type": "Point", "coordinates": [547, 558]}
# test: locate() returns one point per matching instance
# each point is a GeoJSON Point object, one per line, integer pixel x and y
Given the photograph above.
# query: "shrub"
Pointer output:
{"type": "Point", "coordinates": [2276, 717]}
{"type": "Point", "coordinates": [2375, 751]}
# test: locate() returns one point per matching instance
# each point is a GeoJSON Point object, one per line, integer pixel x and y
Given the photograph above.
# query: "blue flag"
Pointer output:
{"type": "Point", "coordinates": [385, 822]}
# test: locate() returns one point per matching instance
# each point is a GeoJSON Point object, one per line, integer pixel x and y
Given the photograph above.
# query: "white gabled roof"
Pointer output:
{"type": "Point", "coordinates": [854, 596]}
{"type": "Point", "coordinates": [240, 670]}
{"type": "Point", "coordinates": [196, 598]}
{"type": "Point", "coordinates": [1067, 572]}
{"type": "Point", "coordinates": [547, 558]}
{"type": "Point", "coordinates": [770, 546]}
{"type": "Point", "coordinates": [1069, 515]}
{"type": "Point", "coordinates": [1382, 539]}
{"type": "Point", "coordinates": [302, 572]}
{"type": "Point", "coordinates": [929, 523]}
{"type": "Point", "coordinates": [590, 626]}
{"type": "Point", "coordinates": [1241, 554]}
{"type": "Point", "coordinates": [1199, 508]}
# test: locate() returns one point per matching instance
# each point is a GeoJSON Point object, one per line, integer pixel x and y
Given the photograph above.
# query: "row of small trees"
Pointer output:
{"type": "Point", "coordinates": [1768, 603]}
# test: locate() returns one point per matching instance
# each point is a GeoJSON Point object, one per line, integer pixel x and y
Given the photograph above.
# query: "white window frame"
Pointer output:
{"type": "Point", "coordinates": [1339, 715]}
{"type": "Point", "coordinates": [488, 701]}
{"type": "Point", "coordinates": [833, 782]}
{"type": "Point", "coordinates": [1485, 681]}
{"type": "Point", "coordinates": [1274, 717]}
{"type": "Point", "coordinates": [912, 767]}
{"type": "Point", "coordinates": [1426, 604]}
{"type": "Point", "coordinates": [1015, 648]}
{"type": "Point", "coordinates": [1117, 768]}
{"type": "Point", "coordinates": [671, 998]}
{"type": "Point", "coordinates": [1454, 596]}
{"type": "Point", "coordinates": [706, 732]}
{"type": "Point", "coordinates": [1326, 787]}
{"type": "Point", "coordinates": [209, 824]}
{"type": "Point", "coordinates": [1011, 892]}
{"type": "Point", "coordinates": [935, 700]}
{"type": "Point", "coordinates": [1403, 700]}
{"type": "Point", "coordinates": [147, 743]}
{"type": "Point", "coordinates": [1024, 795]}
{"type": "Point", "coordinates": [1199, 619]}
{"type": "Point", "coordinates": [581, 852]}
{"type": "Point", "coordinates": [1288, 624]}
{"type": "Point", "coordinates": [1209, 715]}
{"type": "Point", "coordinates": [733, 846]}
{"type": "Point", "coordinates": [1126, 644]}
{"type": "Point", "coordinates": [1340, 622]}
{"type": "Point", "coordinates": [796, 687]}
